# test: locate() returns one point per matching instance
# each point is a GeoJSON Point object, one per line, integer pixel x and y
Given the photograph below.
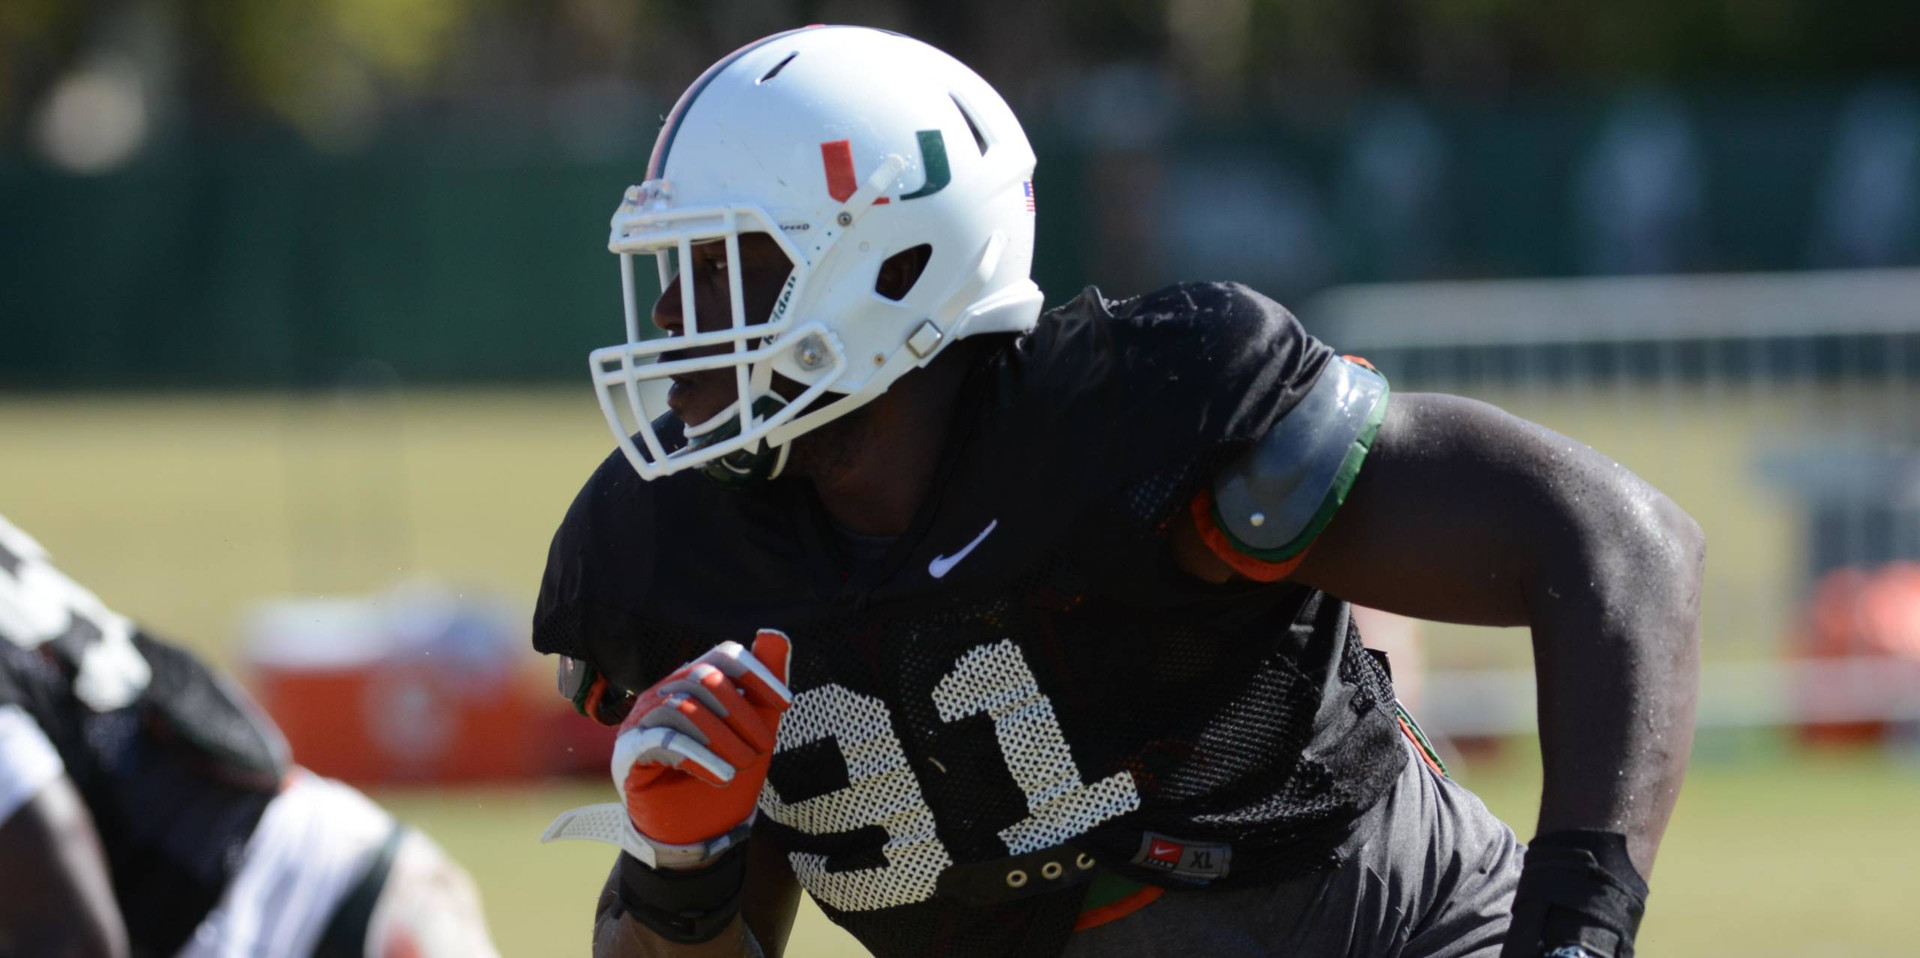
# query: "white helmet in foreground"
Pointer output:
{"type": "Point", "coordinates": [846, 145]}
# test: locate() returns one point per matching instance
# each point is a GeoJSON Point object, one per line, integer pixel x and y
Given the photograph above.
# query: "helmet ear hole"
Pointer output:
{"type": "Point", "coordinates": [901, 271]}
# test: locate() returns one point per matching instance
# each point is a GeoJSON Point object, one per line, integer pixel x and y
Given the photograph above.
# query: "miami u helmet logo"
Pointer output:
{"type": "Point", "coordinates": [838, 157]}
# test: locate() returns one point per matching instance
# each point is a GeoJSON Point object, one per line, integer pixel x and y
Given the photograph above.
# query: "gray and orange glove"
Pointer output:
{"type": "Point", "coordinates": [691, 757]}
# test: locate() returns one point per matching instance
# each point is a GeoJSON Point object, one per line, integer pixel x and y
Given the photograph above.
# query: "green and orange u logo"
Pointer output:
{"type": "Point", "coordinates": [841, 183]}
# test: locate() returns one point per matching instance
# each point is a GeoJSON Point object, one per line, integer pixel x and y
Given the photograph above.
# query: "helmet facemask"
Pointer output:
{"type": "Point", "coordinates": [733, 446]}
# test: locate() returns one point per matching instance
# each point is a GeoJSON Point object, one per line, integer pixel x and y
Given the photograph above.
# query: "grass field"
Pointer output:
{"type": "Point", "coordinates": [183, 510]}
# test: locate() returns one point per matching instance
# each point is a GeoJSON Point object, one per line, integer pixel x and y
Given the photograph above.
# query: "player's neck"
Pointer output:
{"type": "Point", "coordinates": [875, 470]}
{"type": "Point", "coordinates": [879, 489]}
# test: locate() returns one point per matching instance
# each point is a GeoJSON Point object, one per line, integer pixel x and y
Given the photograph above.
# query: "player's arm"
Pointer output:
{"type": "Point", "coordinates": [1463, 513]}
{"type": "Point", "coordinates": [56, 896]}
{"type": "Point", "coordinates": [770, 903]}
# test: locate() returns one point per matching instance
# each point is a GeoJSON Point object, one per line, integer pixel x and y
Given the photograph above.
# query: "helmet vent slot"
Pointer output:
{"type": "Point", "coordinates": [901, 272]}
{"type": "Point", "coordinates": [782, 65]}
{"type": "Point", "coordinates": [972, 127]}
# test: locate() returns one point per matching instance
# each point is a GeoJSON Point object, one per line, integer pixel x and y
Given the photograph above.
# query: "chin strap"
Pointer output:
{"type": "Point", "coordinates": [746, 467]}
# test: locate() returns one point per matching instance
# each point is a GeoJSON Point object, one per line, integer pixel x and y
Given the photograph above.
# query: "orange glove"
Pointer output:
{"type": "Point", "coordinates": [691, 757]}
{"type": "Point", "coordinates": [693, 753]}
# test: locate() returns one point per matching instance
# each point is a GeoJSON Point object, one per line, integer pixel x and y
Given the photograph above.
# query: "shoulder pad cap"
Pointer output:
{"type": "Point", "coordinates": [1269, 498]}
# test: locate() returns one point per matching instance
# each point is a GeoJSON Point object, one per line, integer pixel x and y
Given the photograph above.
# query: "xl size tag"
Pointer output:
{"type": "Point", "coordinates": [1190, 860]}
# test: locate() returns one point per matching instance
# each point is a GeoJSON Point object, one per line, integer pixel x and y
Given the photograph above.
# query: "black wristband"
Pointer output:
{"type": "Point", "coordinates": [1579, 895]}
{"type": "Point", "coordinates": [686, 906]}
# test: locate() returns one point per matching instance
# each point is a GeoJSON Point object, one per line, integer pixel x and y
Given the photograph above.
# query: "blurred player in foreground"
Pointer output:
{"type": "Point", "coordinates": [147, 807]}
{"type": "Point", "coordinates": [1051, 651]}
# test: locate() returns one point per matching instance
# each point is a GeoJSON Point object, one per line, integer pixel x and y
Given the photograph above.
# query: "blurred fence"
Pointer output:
{"type": "Point", "coordinates": [1781, 410]}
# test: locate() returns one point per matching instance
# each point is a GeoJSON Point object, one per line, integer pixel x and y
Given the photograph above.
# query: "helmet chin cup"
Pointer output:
{"type": "Point", "coordinates": [745, 467]}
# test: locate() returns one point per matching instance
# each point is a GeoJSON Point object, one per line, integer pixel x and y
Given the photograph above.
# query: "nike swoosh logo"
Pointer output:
{"type": "Point", "coordinates": [1161, 851]}
{"type": "Point", "coordinates": [941, 565]}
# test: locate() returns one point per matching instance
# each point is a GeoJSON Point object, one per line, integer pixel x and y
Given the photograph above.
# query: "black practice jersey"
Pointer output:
{"type": "Point", "coordinates": [1025, 685]}
{"type": "Point", "coordinates": [174, 764]}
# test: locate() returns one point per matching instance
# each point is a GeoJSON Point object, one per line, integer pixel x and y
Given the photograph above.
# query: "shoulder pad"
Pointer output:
{"type": "Point", "coordinates": [1274, 499]}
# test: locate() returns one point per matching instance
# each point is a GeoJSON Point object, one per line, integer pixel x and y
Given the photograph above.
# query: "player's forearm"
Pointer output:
{"type": "Point", "coordinates": [1615, 621]}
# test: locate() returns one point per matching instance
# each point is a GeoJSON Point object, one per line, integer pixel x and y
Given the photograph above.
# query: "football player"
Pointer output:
{"type": "Point", "coordinates": [147, 807]}
{"type": "Point", "coordinates": [1011, 632]}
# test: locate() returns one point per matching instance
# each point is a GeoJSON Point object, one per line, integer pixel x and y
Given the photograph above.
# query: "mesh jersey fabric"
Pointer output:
{"type": "Point", "coordinates": [173, 816]}
{"type": "Point", "coordinates": [1027, 668]}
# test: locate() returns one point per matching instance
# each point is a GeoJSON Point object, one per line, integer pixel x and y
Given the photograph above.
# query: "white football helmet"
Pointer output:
{"type": "Point", "coordinates": [846, 145]}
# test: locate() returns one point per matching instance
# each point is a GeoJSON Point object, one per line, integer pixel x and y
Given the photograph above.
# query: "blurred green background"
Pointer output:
{"type": "Point", "coordinates": [295, 298]}
{"type": "Point", "coordinates": [203, 193]}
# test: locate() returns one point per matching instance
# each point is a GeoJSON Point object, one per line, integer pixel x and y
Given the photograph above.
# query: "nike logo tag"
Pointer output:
{"type": "Point", "coordinates": [941, 565]}
{"type": "Point", "coordinates": [1191, 860]}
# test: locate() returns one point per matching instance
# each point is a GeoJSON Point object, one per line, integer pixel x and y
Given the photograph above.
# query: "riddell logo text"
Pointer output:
{"type": "Point", "coordinates": [786, 297]}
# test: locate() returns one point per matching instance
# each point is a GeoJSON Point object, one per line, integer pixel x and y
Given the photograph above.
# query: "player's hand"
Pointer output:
{"type": "Point", "coordinates": [691, 757]}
